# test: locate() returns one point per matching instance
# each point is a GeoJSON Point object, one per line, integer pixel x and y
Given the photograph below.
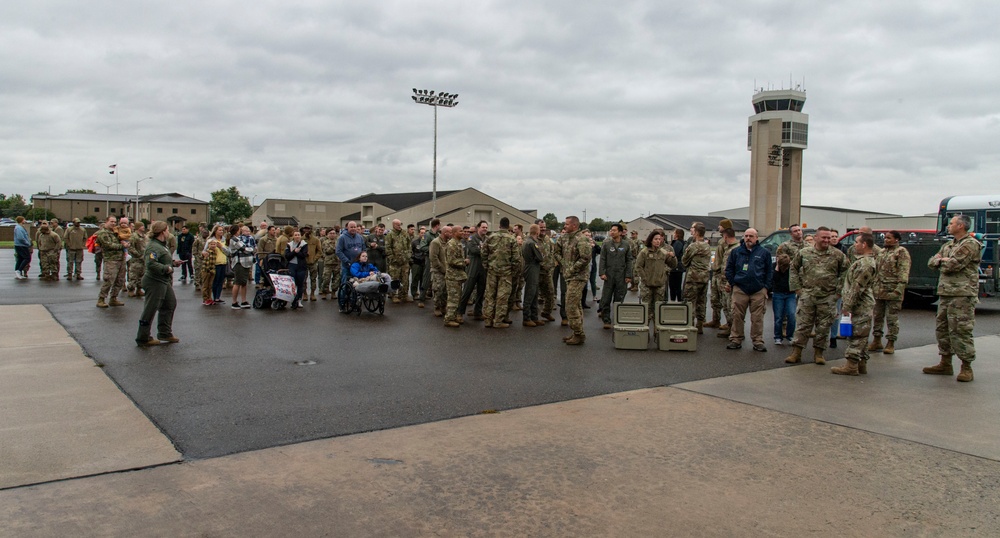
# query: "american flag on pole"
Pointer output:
{"type": "Point", "coordinates": [113, 167]}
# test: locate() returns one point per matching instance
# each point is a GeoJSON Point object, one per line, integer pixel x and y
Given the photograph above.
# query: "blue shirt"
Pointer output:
{"type": "Point", "coordinates": [21, 238]}
{"type": "Point", "coordinates": [348, 247]}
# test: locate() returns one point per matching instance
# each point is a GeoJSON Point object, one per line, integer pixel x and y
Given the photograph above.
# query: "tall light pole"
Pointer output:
{"type": "Point", "coordinates": [136, 216]}
{"type": "Point", "coordinates": [107, 199]}
{"type": "Point", "coordinates": [425, 97]}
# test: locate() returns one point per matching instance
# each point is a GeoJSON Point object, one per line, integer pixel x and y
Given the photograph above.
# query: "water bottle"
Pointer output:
{"type": "Point", "coordinates": [846, 326]}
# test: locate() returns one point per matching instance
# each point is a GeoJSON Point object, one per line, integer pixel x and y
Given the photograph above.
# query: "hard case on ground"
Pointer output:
{"type": "Point", "coordinates": [675, 329]}
{"type": "Point", "coordinates": [631, 326]}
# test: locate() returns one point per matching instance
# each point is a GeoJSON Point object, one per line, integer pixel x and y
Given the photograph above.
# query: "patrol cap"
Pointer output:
{"type": "Point", "coordinates": [76, 221]}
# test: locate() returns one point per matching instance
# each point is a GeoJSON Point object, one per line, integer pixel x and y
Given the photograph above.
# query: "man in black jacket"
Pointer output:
{"type": "Point", "coordinates": [748, 273]}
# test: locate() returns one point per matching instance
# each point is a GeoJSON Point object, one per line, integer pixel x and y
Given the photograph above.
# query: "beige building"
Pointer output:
{"type": "Point", "coordinates": [171, 207]}
{"type": "Point", "coordinates": [776, 135]}
{"type": "Point", "coordinates": [460, 207]}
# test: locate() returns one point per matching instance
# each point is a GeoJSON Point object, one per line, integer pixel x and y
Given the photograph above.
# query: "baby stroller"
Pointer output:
{"type": "Point", "coordinates": [277, 288]}
{"type": "Point", "coordinates": [368, 294]}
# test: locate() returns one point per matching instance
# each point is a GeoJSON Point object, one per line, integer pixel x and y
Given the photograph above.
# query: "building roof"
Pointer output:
{"type": "Point", "coordinates": [399, 201]}
{"type": "Point", "coordinates": [85, 197]}
{"type": "Point", "coordinates": [683, 222]}
{"type": "Point", "coordinates": [170, 198]}
{"type": "Point", "coordinates": [846, 210]}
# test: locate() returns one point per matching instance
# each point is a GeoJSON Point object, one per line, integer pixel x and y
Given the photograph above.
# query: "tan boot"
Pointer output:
{"type": "Point", "coordinates": [723, 328]}
{"type": "Point", "coordinates": [851, 368]}
{"type": "Point", "coordinates": [796, 356]}
{"type": "Point", "coordinates": [965, 375]}
{"type": "Point", "coordinates": [131, 293]}
{"type": "Point", "coordinates": [890, 347]}
{"type": "Point", "coordinates": [529, 323]}
{"type": "Point", "coordinates": [312, 296]}
{"type": "Point", "coordinates": [818, 356]}
{"type": "Point", "coordinates": [115, 302]}
{"type": "Point", "coordinates": [876, 344]}
{"type": "Point", "coordinates": [451, 324]}
{"type": "Point", "coordinates": [941, 368]}
{"type": "Point", "coordinates": [101, 303]}
{"type": "Point", "coordinates": [863, 367]}
{"type": "Point", "coordinates": [713, 324]}
{"type": "Point", "coordinates": [700, 325]}
{"type": "Point", "coordinates": [576, 340]}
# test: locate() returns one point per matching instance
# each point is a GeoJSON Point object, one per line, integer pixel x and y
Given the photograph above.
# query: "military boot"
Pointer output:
{"type": "Point", "coordinates": [851, 368]}
{"type": "Point", "coordinates": [863, 366]}
{"type": "Point", "coordinates": [115, 302]}
{"type": "Point", "coordinates": [876, 344]}
{"type": "Point", "coordinates": [965, 375]}
{"type": "Point", "coordinates": [818, 356]}
{"type": "Point", "coordinates": [101, 303]}
{"type": "Point", "coordinates": [714, 323]}
{"type": "Point", "coordinates": [576, 340]}
{"type": "Point", "coordinates": [796, 355]}
{"type": "Point", "coordinates": [700, 325]}
{"type": "Point", "coordinates": [131, 293]}
{"type": "Point", "coordinates": [941, 368]}
{"type": "Point", "coordinates": [890, 347]}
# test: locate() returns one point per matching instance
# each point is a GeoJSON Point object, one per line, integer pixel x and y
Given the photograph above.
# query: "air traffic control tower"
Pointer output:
{"type": "Point", "coordinates": [776, 135]}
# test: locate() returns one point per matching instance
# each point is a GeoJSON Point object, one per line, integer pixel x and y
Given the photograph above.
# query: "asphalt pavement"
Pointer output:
{"type": "Point", "coordinates": [246, 380]}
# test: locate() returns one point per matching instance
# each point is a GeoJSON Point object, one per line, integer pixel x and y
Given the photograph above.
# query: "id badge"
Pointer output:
{"type": "Point", "coordinates": [746, 266]}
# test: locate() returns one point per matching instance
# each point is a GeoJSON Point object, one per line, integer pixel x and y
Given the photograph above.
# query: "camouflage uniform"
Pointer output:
{"type": "Point", "coordinates": [313, 256]}
{"type": "Point", "coordinates": [893, 273]}
{"type": "Point", "coordinates": [722, 300]}
{"type": "Point", "coordinates": [114, 264]}
{"type": "Point", "coordinates": [790, 248]}
{"type": "Point", "coordinates": [49, 247]}
{"type": "Point", "coordinates": [136, 264]}
{"type": "Point", "coordinates": [546, 290]}
{"type": "Point", "coordinates": [696, 259]}
{"type": "Point", "coordinates": [852, 253]}
{"type": "Point", "coordinates": [74, 242]}
{"type": "Point", "coordinates": [958, 290]}
{"type": "Point", "coordinates": [397, 251]}
{"type": "Point", "coordinates": [438, 263]}
{"type": "Point", "coordinates": [859, 301]}
{"type": "Point", "coordinates": [517, 277]}
{"type": "Point", "coordinates": [196, 248]}
{"type": "Point", "coordinates": [499, 253]}
{"type": "Point", "coordinates": [636, 244]}
{"type": "Point", "coordinates": [573, 252]}
{"type": "Point", "coordinates": [455, 277]}
{"type": "Point", "coordinates": [819, 277]}
{"type": "Point", "coordinates": [652, 267]}
{"type": "Point", "coordinates": [331, 266]}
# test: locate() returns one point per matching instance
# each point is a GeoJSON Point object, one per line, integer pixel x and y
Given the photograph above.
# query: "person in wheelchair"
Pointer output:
{"type": "Point", "coordinates": [365, 277]}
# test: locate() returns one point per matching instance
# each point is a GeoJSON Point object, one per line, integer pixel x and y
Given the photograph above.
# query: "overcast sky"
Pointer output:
{"type": "Point", "coordinates": [617, 108]}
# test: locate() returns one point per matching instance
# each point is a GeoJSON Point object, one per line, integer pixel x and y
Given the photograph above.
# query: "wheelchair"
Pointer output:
{"type": "Point", "coordinates": [368, 296]}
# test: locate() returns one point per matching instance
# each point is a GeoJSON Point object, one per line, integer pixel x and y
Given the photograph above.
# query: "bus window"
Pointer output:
{"type": "Point", "coordinates": [993, 222]}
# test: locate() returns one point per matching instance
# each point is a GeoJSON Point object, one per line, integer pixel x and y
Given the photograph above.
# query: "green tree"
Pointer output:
{"type": "Point", "coordinates": [39, 213]}
{"type": "Point", "coordinates": [12, 206]}
{"type": "Point", "coordinates": [229, 205]}
{"type": "Point", "coordinates": [599, 225]}
{"type": "Point", "coordinates": [551, 222]}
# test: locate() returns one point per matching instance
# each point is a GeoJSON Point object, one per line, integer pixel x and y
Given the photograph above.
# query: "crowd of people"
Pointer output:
{"type": "Point", "coordinates": [810, 282]}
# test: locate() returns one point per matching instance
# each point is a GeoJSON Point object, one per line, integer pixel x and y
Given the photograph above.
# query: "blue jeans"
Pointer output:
{"type": "Point", "coordinates": [220, 279]}
{"type": "Point", "coordinates": [299, 272]}
{"type": "Point", "coordinates": [784, 310]}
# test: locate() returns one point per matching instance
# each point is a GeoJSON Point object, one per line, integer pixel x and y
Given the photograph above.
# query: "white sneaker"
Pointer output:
{"type": "Point", "coordinates": [777, 341]}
